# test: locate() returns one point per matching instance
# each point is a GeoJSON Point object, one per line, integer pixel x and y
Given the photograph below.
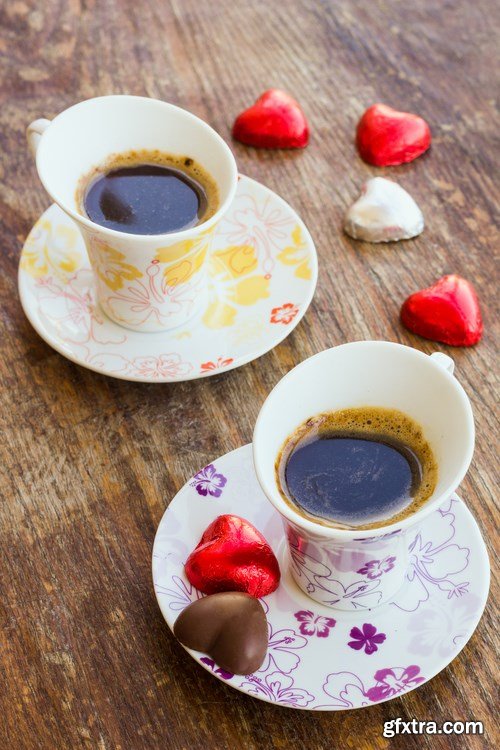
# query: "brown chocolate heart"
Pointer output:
{"type": "Point", "coordinates": [231, 627]}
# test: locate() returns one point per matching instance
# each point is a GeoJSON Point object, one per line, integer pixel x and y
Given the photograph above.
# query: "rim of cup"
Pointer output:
{"type": "Point", "coordinates": [166, 236]}
{"type": "Point", "coordinates": [331, 532]}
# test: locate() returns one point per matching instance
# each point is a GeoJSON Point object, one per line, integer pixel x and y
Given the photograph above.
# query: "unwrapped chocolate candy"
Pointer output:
{"type": "Point", "coordinates": [231, 627]}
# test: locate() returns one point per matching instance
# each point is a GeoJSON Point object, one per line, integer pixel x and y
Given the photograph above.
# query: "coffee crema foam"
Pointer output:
{"type": "Point", "coordinates": [378, 424]}
{"type": "Point", "coordinates": [154, 157]}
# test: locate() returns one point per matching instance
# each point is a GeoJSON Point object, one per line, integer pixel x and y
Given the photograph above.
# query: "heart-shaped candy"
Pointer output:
{"type": "Point", "coordinates": [233, 556]}
{"type": "Point", "coordinates": [386, 137]}
{"type": "Point", "coordinates": [385, 212]}
{"type": "Point", "coordinates": [447, 311]}
{"type": "Point", "coordinates": [276, 120]}
{"type": "Point", "coordinates": [230, 627]}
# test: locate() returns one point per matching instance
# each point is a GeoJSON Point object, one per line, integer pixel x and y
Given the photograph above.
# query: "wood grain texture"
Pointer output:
{"type": "Point", "coordinates": [90, 463]}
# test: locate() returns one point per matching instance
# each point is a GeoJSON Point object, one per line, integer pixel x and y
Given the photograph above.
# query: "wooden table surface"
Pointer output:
{"type": "Point", "coordinates": [90, 463]}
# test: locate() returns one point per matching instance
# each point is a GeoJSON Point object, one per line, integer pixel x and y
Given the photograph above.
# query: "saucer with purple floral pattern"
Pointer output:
{"type": "Point", "coordinates": [320, 658]}
{"type": "Point", "coordinates": [262, 277]}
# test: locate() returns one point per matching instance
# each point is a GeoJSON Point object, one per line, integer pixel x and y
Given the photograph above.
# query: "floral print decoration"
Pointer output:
{"type": "Point", "coordinates": [51, 250]}
{"type": "Point", "coordinates": [349, 691]}
{"type": "Point", "coordinates": [160, 299]}
{"type": "Point", "coordinates": [236, 281]}
{"type": "Point", "coordinates": [163, 367]}
{"type": "Point", "coordinates": [312, 651]}
{"type": "Point", "coordinates": [171, 254]}
{"type": "Point", "coordinates": [110, 264]}
{"type": "Point", "coordinates": [375, 568]}
{"type": "Point", "coordinates": [311, 624]}
{"type": "Point", "coordinates": [366, 638]}
{"type": "Point", "coordinates": [261, 224]}
{"type": "Point", "coordinates": [278, 688]}
{"type": "Point", "coordinates": [179, 593]}
{"type": "Point", "coordinates": [71, 303]}
{"type": "Point", "coordinates": [296, 254]}
{"type": "Point", "coordinates": [317, 578]}
{"type": "Point", "coordinates": [209, 482]}
{"type": "Point", "coordinates": [220, 364]}
{"type": "Point", "coordinates": [247, 285]}
{"type": "Point", "coordinates": [284, 314]}
{"type": "Point", "coordinates": [282, 650]}
{"type": "Point", "coordinates": [391, 682]}
{"type": "Point", "coordinates": [223, 673]}
{"type": "Point", "coordinates": [183, 271]}
{"type": "Point", "coordinates": [440, 627]}
{"type": "Point", "coordinates": [432, 550]}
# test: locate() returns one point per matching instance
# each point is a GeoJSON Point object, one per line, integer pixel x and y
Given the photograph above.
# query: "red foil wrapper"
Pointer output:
{"type": "Point", "coordinates": [386, 137]}
{"type": "Point", "coordinates": [447, 311]}
{"type": "Point", "coordinates": [276, 120]}
{"type": "Point", "coordinates": [233, 556]}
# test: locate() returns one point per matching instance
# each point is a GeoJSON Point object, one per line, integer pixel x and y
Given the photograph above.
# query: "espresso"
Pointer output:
{"type": "Point", "coordinates": [148, 192]}
{"type": "Point", "coordinates": [357, 468]}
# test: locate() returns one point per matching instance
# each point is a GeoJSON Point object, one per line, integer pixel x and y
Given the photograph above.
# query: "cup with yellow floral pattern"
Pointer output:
{"type": "Point", "coordinates": [143, 282]}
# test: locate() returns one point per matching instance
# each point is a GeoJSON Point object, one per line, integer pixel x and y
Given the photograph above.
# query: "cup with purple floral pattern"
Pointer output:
{"type": "Point", "coordinates": [345, 568]}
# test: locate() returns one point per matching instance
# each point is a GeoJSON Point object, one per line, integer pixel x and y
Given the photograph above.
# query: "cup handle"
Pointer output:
{"type": "Point", "coordinates": [442, 360]}
{"type": "Point", "coordinates": [34, 132]}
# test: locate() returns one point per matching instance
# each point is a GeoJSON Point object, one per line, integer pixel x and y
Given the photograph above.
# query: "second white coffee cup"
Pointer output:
{"type": "Point", "coordinates": [352, 569]}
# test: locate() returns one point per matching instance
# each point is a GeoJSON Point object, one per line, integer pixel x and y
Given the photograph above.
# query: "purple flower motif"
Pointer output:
{"type": "Point", "coordinates": [346, 689]}
{"type": "Point", "coordinates": [394, 681]}
{"type": "Point", "coordinates": [209, 482]}
{"type": "Point", "coordinates": [459, 590]}
{"type": "Point", "coordinates": [367, 638]}
{"type": "Point", "coordinates": [281, 652]}
{"type": "Point", "coordinates": [434, 562]}
{"type": "Point", "coordinates": [181, 594]}
{"type": "Point", "coordinates": [375, 568]}
{"type": "Point", "coordinates": [279, 688]}
{"type": "Point", "coordinates": [439, 628]}
{"type": "Point", "coordinates": [317, 577]}
{"type": "Point", "coordinates": [217, 670]}
{"type": "Point", "coordinates": [311, 625]}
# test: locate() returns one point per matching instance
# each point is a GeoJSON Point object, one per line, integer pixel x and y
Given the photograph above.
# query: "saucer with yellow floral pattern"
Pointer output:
{"type": "Point", "coordinates": [252, 305]}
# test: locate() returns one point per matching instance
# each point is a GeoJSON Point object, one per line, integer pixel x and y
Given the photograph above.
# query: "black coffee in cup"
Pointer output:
{"type": "Point", "coordinates": [357, 468]}
{"type": "Point", "coordinates": [148, 192]}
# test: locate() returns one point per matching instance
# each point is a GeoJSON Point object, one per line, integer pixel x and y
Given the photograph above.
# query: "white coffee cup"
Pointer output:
{"type": "Point", "coordinates": [344, 568]}
{"type": "Point", "coordinates": [143, 282]}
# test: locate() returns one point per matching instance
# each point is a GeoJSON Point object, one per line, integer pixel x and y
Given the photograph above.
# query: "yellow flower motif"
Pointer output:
{"type": "Point", "coordinates": [181, 272]}
{"type": "Point", "coordinates": [184, 258]}
{"type": "Point", "coordinates": [178, 250]}
{"type": "Point", "coordinates": [51, 249]}
{"type": "Point", "coordinates": [297, 254]}
{"type": "Point", "coordinates": [236, 283]}
{"type": "Point", "coordinates": [109, 266]}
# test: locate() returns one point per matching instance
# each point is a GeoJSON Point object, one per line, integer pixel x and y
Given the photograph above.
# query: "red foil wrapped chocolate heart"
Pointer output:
{"type": "Point", "coordinates": [233, 556]}
{"type": "Point", "coordinates": [276, 120]}
{"type": "Point", "coordinates": [386, 137]}
{"type": "Point", "coordinates": [447, 311]}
